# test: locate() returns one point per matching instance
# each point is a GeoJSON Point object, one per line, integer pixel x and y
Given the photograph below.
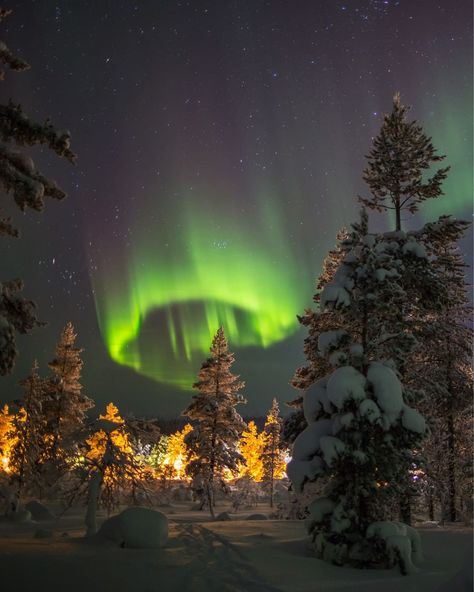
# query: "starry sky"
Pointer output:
{"type": "Point", "coordinates": [220, 148]}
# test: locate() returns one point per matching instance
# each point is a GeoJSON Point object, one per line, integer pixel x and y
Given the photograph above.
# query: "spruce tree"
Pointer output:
{"type": "Point", "coordinates": [28, 186]}
{"type": "Point", "coordinates": [361, 429]}
{"type": "Point", "coordinates": [400, 155]}
{"type": "Point", "coordinates": [443, 366]}
{"type": "Point", "coordinates": [273, 454]}
{"type": "Point", "coordinates": [28, 426]}
{"type": "Point", "coordinates": [316, 366]}
{"type": "Point", "coordinates": [216, 424]}
{"type": "Point", "coordinates": [65, 405]}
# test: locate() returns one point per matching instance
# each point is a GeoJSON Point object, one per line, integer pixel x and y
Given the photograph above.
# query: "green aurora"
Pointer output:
{"type": "Point", "coordinates": [160, 315]}
{"type": "Point", "coordinates": [196, 263]}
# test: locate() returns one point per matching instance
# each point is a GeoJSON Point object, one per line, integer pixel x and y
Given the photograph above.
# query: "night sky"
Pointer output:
{"type": "Point", "coordinates": [220, 148]}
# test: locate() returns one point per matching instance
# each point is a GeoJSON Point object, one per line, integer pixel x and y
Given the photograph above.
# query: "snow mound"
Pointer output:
{"type": "Point", "coordinates": [299, 471]}
{"type": "Point", "coordinates": [345, 383]}
{"type": "Point", "coordinates": [322, 506]}
{"type": "Point", "coordinates": [370, 410]}
{"type": "Point", "coordinates": [330, 340]}
{"type": "Point", "coordinates": [387, 390]}
{"type": "Point", "coordinates": [39, 512]}
{"type": "Point", "coordinates": [257, 517]}
{"type": "Point", "coordinates": [413, 421]}
{"type": "Point", "coordinates": [307, 443]}
{"type": "Point", "coordinates": [315, 399]}
{"type": "Point", "coordinates": [137, 528]}
{"type": "Point", "coordinates": [414, 248]}
{"type": "Point", "coordinates": [335, 295]}
{"type": "Point", "coordinates": [332, 448]}
{"type": "Point", "coordinates": [403, 542]}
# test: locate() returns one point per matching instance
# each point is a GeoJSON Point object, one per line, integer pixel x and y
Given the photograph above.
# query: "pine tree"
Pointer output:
{"type": "Point", "coordinates": [7, 435]}
{"type": "Point", "coordinates": [29, 187]}
{"type": "Point", "coordinates": [316, 366]}
{"type": "Point", "coordinates": [28, 427]}
{"type": "Point", "coordinates": [443, 365]}
{"type": "Point", "coordinates": [251, 448]}
{"type": "Point", "coordinates": [273, 455]}
{"type": "Point", "coordinates": [65, 406]}
{"type": "Point", "coordinates": [401, 153]}
{"type": "Point", "coordinates": [109, 468]}
{"type": "Point", "coordinates": [361, 429]}
{"type": "Point", "coordinates": [217, 425]}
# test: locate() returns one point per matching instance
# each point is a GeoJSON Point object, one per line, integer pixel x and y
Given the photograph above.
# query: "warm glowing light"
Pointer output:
{"type": "Point", "coordinates": [98, 441]}
{"type": "Point", "coordinates": [175, 460]}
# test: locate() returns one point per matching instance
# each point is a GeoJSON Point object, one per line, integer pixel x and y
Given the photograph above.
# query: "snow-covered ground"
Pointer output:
{"type": "Point", "coordinates": [231, 556]}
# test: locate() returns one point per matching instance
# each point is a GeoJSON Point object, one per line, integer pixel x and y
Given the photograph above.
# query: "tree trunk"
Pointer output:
{"type": "Point", "coordinates": [405, 509]}
{"type": "Point", "coordinates": [95, 485]}
{"type": "Point", "coordinates": [430, 507]}
{"type": "Point", "coordinates": [451, 469]}
{"type": "Point", "coordinates": [398, 211]}
{"type": "Point", "coordinates": [210, 497]}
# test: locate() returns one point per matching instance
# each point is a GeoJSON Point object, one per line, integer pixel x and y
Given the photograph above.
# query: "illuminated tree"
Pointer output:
{"type": "Point", "coordinates": [6, 437]}
{"type": "Point", "coordinates": [273, 455]}
{"type": "Point", "coordinates": [109, 468]}
{"type": "Point", "coordinates": [97, 443]}
{"type": "Point", "coordinates": [28, 186]}
{"type": "Point", "coordinates": [217, 425]}
{"type": "Point", "coordinates": [65, 405]}
{"type": "Point", "coordinates": [177, 453]}
{"type": "Point", "coordinates": [28, 427]}
{"type": "Point", "coordinates": [251, 446]}
{"type": "Point", "coordinates": [400, 155]}
{"type": "Point", "coordinates": [157, 456]}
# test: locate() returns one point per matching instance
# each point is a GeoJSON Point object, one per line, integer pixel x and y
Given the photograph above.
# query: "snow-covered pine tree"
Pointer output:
{"type": "Point", "coordinates": [28, 425]}
{"type": "Point", "coordinates": [398, 181]}
{"type": "Point", "coordinates": [316, 366]}
{"type": "Point", "coordinates": [360, 429]}
{"type": "Point", "coordinates": [400, 155]}
{"type": "Point", "coordinates": [273, 454]}
{"type": "Point", "coordinates": [29, 187]}
{"type": "Point", "coordinates": [443, 366]}
{"type": "Point", "coordinates": [216, 424]}
{"type": "Point", "coordinates": [65, 404]}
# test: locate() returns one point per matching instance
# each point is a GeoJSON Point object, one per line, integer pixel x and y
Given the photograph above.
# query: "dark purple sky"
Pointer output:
{"type": "Point", "coordinates": [222, 110]}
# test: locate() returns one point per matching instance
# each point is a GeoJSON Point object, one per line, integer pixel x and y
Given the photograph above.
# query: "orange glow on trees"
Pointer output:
{"type": "Point", "coordinates": [251, 447]}
{"type": "Point", "coordinates": [175, 459]}
{"type": "Point", "coordinates": [98, 441]}
{"type": "Point", "coordinates": [7, 438]}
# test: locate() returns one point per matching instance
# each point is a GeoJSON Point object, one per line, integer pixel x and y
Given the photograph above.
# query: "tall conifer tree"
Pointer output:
{"type": "Point", "coordinates": [273, 454]}
{"type": "Point", "coordinates": [29, 432]}
{"type": "Point", "coordinates": [28, 187]}
{"type": "Point", "coordinates": [66, 404]}
{"type": "Point", "coordinates": [217, 425]}
{"type": "Point", "coordinates": [400, 155]}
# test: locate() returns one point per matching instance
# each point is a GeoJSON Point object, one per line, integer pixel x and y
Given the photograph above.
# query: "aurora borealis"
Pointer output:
{"type": "Point", "coordinates": [220, 148]}
{"type": "Point", "coordinates": [211, 273]}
